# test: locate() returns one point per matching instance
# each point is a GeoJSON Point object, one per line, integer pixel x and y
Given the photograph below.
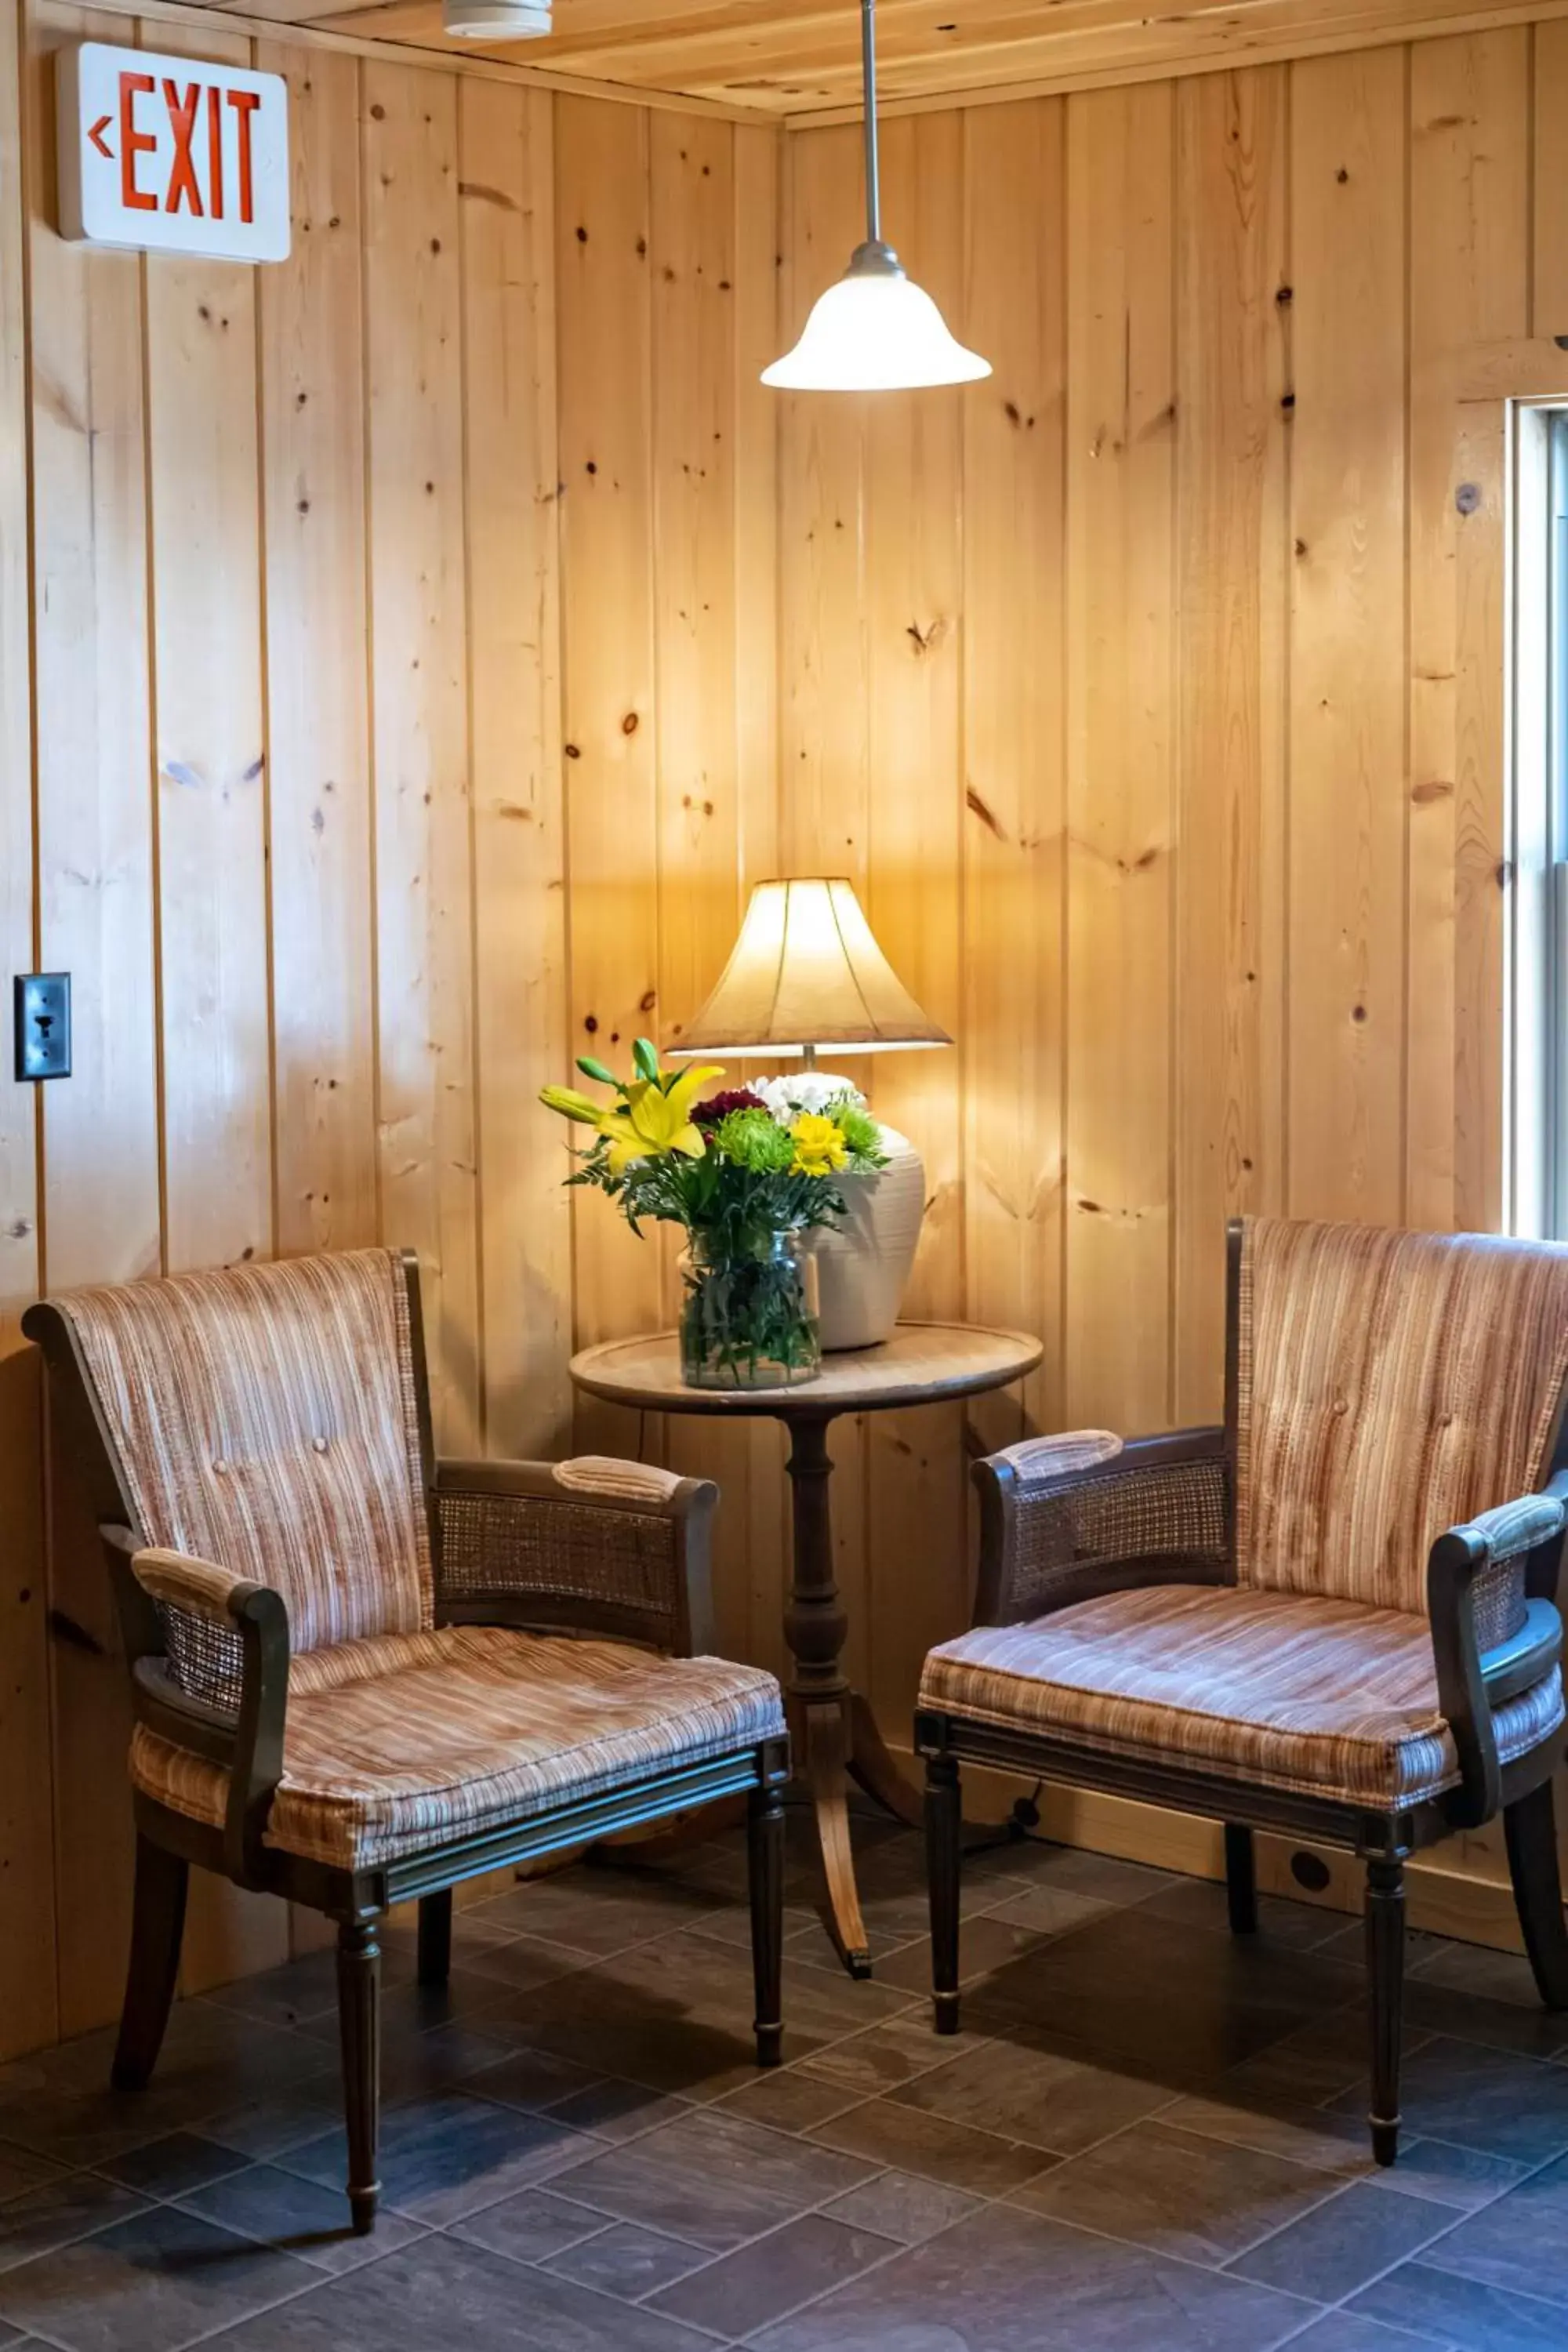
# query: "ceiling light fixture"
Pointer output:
{"type": "Point", "coordinates": [876, 329]}
{"type": "Point", "coordinates": [494, 20]}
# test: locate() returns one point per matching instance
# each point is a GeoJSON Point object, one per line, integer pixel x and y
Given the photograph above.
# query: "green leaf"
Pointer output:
{"type": "Point", "coordinates": [646, 1055]}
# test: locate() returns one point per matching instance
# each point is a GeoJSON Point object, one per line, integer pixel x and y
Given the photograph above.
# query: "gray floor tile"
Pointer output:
{"type": "Point", "coordinates": [441, 2293]}
{"type": "Point", "coordinates": [1339, 2246]}
{"type": "Point", "coordinates": [151, 2284]}
{"type": "Point", "coordinates": [985, 1945]}
{"type": "Point", "coordinates": [530, 2226]}
{"type": "Point", "coordinates": [1462, 2312]}
{"type": "Point", "coordinates": [1348, 2331]}
{"type": "Point", "coordinates": [1048, 1910]}
{"type": "Point", "coordinates": [626, 2261]}
{"type": "Point", "coordinates": [20, 2172]}
{"type": "Point", "coordinates": [712, 2180]}
{"type": "Point", "coordinates": [282, 2209]}
{"type": "Point", "coordinates": [1006, 2281]}
{"type": "Point", "coordinates": [1486, 2099]}
{"type": "Point", "coordinates": [1521, 2239]}
{"type": "Point", "coordinates": [1020, 2086]}
{"type": "Point", "coordinates": [448, 2155]}
{"type": "Point", "coordinates": [774, 2275]}
{"type": "Point", "coordinates": [901, 2205]}
{"type": "Point", "coordinates": [1201, 2201]}
{"type": "Point", "coordinates": [70, 2206]}
{"type": "Point", "coordinates": [887, 2134]}
{"type": "Point", "coordinates": [789, 2099]}
{"type": "Point", "coordinates": [170, 2166]}
{"type": "Point", "coordinates": [288, 1995]}
{"type": "Point", "coordinates": [1204, 1903]}
{"type": "Point", "coordinates": [887, 2055]}
{"type": "Point", "coordinates": [1460, 2177]}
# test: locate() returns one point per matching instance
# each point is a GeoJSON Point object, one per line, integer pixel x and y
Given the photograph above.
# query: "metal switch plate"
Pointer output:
{"type": "Point", "coordinates": [43, 1003]}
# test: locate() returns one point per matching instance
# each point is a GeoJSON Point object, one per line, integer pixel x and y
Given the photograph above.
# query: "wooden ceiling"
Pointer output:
{"type": "Point", "coordinates": [800, 59]}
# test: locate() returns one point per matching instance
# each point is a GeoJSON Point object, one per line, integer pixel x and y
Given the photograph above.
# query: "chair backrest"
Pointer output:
{"type": "Point", "coordinates": [1385, 1386]}
{"type": "Point", "coordinates": [267, 1418]}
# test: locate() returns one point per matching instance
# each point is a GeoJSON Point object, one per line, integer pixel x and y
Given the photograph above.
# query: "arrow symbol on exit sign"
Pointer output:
{"type": "Point", "coordinates": [96, 135]}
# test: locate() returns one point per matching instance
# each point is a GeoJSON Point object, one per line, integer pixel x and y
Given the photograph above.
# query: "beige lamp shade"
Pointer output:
{"type": "Point", "coordinates": [807, 972]}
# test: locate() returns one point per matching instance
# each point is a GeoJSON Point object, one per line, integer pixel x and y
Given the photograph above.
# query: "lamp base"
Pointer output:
{"type": "Point", "coordinates": [864, 1261]}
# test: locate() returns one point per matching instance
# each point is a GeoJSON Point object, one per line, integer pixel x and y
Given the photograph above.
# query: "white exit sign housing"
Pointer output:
{"type": "Point", "coordinates": [172, 155]}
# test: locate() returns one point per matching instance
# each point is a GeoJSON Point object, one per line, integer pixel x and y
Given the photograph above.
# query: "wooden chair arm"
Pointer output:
{"type": "Point", "coordinates": [237, 1721]}
{"type": "Point", "coordinates": [1066, 1517]}
{"type": "Point", "coordinates": [1492, 1637]}
{"type": "Point", "coordinates": [590, 1545]}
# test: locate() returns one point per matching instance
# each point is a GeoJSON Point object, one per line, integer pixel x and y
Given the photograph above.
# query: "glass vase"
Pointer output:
{"type": "Point", "coordinates": [747, 1319]}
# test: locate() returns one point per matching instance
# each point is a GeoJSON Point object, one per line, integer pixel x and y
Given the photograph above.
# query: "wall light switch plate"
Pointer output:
{"type": "Point", "coordinates": [43, 1000]}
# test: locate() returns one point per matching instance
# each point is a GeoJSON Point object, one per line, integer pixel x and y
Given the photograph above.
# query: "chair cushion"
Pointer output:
{"type": "Point", "coordinates": [410, 1741]}
{"type": "Point", "coordinates": [1323, 1697]}
{"type": "Point", "coordinates": [1389, 1385]}
{"type": "Point", "coordinates": [265, 1416]}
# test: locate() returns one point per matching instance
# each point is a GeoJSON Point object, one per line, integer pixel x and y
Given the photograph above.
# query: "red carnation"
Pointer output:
{"type": "Point", "coordinates": [717, 1107]}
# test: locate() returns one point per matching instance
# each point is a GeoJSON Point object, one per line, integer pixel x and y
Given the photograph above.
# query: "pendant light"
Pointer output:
{"type": "Point", "coordinates": [876, 329]}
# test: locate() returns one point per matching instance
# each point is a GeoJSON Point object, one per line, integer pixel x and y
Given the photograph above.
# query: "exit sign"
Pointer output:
{"type": "Point", "coordinates": [171, 155]}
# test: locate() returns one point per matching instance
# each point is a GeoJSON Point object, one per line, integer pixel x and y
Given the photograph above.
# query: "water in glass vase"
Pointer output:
{"type": "Point", "coordinates": [747, 1319]}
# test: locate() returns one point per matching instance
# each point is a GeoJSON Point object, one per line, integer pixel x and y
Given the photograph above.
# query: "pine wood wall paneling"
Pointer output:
{"type": "Point", "coordinates": [214, 948]}
{"type": "Point", "coordinates": [1469, 283]}
{"type": "Point", "coordinates": [506, 188]}
{"type": "Point", "coordinates": [1013, 646]}
{"type": "Point", "coordinates": [1120, 742]}
{"type": "Point", "coordinates": [28, 2009]}
{"type": "Point", "coordinates": [100, 1213]}
{"type": "Point", "coordinates": [1348, 701]}
{"type": "Point", "coordinates": [318, 722]}
{"type": "Point", "coordinates": [916, 1482]}
{"type": "Point", "coordinates": [824, 660]}
{"type": "Point", "coordinates": [607, 675]}
{"type": "Point", "coordinates": [1233, 308]}
{"type": "Point", "coordinates": [424, 877]}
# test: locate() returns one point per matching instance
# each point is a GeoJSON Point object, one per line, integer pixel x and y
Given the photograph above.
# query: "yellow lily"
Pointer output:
{"type": "Point", "coordinates": [655, 1123]}
{"type": "Point", "coordinates": [572, 1105]}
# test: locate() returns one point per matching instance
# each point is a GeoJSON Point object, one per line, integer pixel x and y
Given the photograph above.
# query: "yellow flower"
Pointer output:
{"type": "Point", "coordinates": [647, 1125]}
{"type": "Point", "coordinates": [819, 1145]}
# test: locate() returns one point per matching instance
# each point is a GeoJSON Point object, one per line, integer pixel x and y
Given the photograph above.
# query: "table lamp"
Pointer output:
{"type": "Point", "coordinates": [807, 973]}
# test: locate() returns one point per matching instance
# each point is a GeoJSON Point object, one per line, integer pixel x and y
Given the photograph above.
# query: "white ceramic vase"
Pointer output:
{"type": "Point", "coordinates": [864, 1261]}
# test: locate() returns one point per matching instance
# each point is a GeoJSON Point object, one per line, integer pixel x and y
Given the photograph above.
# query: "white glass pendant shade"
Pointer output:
{"type": "Point", "coordinates": [875, 330]}
{"type": "Point", "coordinates": [495, 20]}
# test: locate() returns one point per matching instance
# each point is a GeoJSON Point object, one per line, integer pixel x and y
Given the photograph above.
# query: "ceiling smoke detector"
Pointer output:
{"type": "Point", "coordinates": [495, 20]}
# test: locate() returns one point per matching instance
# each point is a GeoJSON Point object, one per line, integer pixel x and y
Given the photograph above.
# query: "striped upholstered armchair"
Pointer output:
{"type": "Point", "coordinates": [1332, 1617]}
{"type": "Point", "coordinates": [360, 1674]}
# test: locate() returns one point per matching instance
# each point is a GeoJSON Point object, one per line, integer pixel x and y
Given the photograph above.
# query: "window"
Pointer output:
{"type": "Point", "coordinates": [1537, 1007]}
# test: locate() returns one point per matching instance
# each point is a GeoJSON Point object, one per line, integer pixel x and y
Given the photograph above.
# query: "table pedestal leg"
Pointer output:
{"type": "Point", "coordinates": [835, 1737]}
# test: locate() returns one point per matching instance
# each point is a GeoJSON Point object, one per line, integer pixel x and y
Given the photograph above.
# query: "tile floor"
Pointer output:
{"type": "Point", "coordinates": [1147, 2136]}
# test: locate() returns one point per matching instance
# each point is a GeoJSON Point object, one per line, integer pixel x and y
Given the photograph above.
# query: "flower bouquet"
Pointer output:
{"type": "Point", "coordinates": [747, 1174]}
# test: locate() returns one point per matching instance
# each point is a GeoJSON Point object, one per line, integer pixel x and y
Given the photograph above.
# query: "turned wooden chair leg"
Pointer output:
{"type": "Point", "coordinates": [1240, 1879]}
{"type": "Point", "coordinates": [1385, 1985]}
{"type": "Point", "coordinates": [435, 1938]}
{"type": "Point", "coordinates": [944, 1852]}
{"type": "Point", "coordinates": [359, 2020]}
{"type": "Point", "coordinates": [766, 1858]}
{"type": "Point", "coordinates": [1530, 1828]}
{"type": "Point", "coordinates": [157, 1925]}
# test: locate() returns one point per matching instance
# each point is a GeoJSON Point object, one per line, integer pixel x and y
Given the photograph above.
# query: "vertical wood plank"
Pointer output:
{"type": "Point", "coordinates": [95, 919]}
{"type": "Point", "coordinates": [1469, 248]}
{"type": "Point", "coordinates": [1014, 465]}
{"type": "Point", "coordinates": [419, 717]}
{"type": "Point", "coordinates": [203, 480]}
{"type": "Point", "coordinates": [916, 1475]}
{"type": "Point", "coordinates": [1232, 359]}
{"type": "Point", "coordinates": [1120, 722]}
{"type": "Point", "coordinates": [507, 188]}
{"type": "Point", "coordinates": [752, 1554]}
{"type": "Point", "coordinates": [608, 666]}
{"type": "Point", "coordinates": [1348, 764]}
{"type": "Point", "coordinates": [1549, 291]}
{"type": "Point", "coordinates": [29, 2013]}
{"type": "Point", "coordinates": [318, 720]}
{"type": "Point", "coordinates": [213, 945]}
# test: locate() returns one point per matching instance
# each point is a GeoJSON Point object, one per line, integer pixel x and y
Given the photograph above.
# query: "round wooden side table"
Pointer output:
{"type": "Point", "coordinates": [833, 1732]}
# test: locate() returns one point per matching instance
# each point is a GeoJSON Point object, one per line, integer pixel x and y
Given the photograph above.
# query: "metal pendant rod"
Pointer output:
{"type": "Point", "coordinates": [869, 78]}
